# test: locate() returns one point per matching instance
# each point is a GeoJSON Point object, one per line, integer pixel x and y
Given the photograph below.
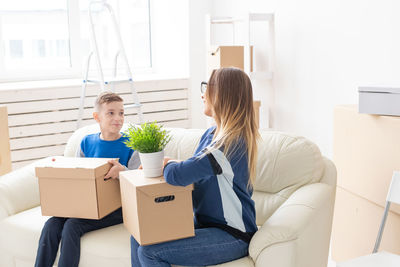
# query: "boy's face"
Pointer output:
{"type": "Point", "coordinates": [110, 117]}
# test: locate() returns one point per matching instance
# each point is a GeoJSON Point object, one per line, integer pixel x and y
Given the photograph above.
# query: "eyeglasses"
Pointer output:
{"type": "Point", "coordinates": [203, 87]}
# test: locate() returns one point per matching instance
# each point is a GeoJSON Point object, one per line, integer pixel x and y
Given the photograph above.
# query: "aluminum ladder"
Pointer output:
{"type": "Point", "coordinates": [101, 80]}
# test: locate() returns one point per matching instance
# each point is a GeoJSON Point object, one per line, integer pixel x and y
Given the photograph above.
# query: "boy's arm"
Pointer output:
{"type": "Point", "coordinates": [79, 152]}
{"type": "Point", "coordinates": [134, 161]}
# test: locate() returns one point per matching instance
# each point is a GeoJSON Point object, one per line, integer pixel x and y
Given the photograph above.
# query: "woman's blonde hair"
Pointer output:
{"type": "Point", "coordinates": [230, 95]}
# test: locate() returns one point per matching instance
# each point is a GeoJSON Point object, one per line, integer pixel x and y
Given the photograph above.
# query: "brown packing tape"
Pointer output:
{"type": "Point", "coordinates": [152, 186]}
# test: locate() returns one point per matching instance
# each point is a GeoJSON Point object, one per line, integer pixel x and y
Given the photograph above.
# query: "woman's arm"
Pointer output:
{"type": "Point", "coordinates": [192, 170]}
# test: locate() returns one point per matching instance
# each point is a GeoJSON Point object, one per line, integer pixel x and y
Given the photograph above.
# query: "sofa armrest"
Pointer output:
{"type": "Point", "coordinates": [289, 220]}
{"type": "Point", "coordinates": [19, 190]}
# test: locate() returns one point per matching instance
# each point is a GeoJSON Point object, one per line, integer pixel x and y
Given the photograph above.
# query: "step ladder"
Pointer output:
{"type": "Point", "coordinates": [100, 79]}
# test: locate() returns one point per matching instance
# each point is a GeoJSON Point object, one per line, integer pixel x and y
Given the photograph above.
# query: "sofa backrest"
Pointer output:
{"type": "Point", "coordinates": [285, 163]}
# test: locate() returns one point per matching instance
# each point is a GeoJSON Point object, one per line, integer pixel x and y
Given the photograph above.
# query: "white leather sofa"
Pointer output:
{"type": "Point", "coordinates": [294, 196]}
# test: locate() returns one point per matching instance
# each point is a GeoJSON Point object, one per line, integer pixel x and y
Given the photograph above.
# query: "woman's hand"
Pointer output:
{"type": "Point", "coordinates": [115, 169]}
{"type": "Point", "coordinates": [166, 159]}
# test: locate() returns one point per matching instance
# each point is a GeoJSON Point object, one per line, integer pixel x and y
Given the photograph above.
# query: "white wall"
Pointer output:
{"type": "Point", "coordinates": [324, 51]}
{"type": "Point", "coordinates": [197, 58]}
{"type": "Point", "coordinates": [170, 37]}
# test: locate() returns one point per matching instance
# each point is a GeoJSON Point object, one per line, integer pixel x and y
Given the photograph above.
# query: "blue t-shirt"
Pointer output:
{"type": "Point", "coordinates": [221, 195]}
{"type": "Point", "coordinates": [92, 146]}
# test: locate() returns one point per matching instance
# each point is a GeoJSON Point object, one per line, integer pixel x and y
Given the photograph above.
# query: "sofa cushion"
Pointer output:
{"type": "Point", "coordinates": [285, 163]}
{"type": "Point", "coordinates": [183, 143]}
{"type": "Point", "coordinates": [19, 190]}
{"type": "Point", "coordinates": [20, 234]}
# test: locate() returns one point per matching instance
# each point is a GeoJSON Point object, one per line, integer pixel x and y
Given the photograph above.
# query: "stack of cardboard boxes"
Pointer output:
{"type": "Point", "coordinates": [366, 151]}
{"type": "Point", "coordinates": [231, 56]}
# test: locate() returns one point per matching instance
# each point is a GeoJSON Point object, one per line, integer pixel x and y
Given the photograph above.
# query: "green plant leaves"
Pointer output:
{"type": "Point", "coordinates": [147, 138]}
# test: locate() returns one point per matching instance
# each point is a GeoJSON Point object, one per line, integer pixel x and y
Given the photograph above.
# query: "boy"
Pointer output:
{"type": "Point", "coordinates": [109, 143]}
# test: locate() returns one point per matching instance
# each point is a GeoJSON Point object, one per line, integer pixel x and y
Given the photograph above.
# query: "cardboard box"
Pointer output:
{"type": "Point", "coordinates": [5, 156]}
{"type": "Point", "coordinates": [379, 100]}
{"type": "Point", "coordinates": [75, 187]}
{"type": "Point", "coordinates": [150, 219]}
{"type": "Point", "coordinates": [366, 152]}
{"type": "Point", "coordinates": [356, 224]}
{"type": "Point", "coordinates": [227, 56]}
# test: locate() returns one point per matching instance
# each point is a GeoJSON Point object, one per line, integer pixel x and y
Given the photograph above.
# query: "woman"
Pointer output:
{"type": "Point", "coordinates": [222, 170]}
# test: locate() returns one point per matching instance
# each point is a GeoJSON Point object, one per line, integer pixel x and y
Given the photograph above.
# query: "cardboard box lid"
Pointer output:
{"type": "Point", "coordinates": [73, 168]}
{"type": "Point", "coordinates": [379, 89]}
{"type": "Point", "coordinates": [152, 186]}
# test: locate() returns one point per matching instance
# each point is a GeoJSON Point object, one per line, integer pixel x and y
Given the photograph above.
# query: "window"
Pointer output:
{"type": "Point", "coordinates": [50, 38]}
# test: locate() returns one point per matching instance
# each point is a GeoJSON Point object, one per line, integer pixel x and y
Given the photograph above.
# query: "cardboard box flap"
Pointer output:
{"type": "Point", "coordinates": [164, 189]}
{"type": "Point", "coordinates": [379, 89]}
{"type": "Point", "coordinates": [69, 167]}
{"type": "Point", "coordinates": [152, 186]}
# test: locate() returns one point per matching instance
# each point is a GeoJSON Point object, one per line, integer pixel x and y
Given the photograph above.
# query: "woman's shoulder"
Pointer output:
{"type": "Point", "coordinates": [210, 131]}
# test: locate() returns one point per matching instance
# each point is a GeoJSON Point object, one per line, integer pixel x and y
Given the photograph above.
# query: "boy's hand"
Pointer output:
{"type": "Point", "coordinates": [115, 169]}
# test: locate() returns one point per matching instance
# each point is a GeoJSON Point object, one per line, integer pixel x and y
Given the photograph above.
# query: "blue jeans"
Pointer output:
{"type": "Point", "coordinates": [69, 231]}
{"type": "Point", "coordinates": [209, 246]}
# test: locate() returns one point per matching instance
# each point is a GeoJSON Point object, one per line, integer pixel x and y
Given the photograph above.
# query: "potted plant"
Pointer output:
{"type": "Point", "coordinates": [149, 140]}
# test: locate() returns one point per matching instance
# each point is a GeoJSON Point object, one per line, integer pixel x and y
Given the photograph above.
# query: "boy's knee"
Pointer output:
{"type": "Point", "coordinates": [72, 227]}
{"type": "Point", "coordinates": [53, 225]}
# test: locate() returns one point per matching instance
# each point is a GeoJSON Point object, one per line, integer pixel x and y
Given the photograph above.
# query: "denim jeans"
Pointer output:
{"type": "Point", "coordinates": [69, 230]}
{"type": "Point", "coordinates": [209, 246]}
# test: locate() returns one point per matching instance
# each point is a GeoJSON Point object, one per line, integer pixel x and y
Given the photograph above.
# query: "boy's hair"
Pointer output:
{"type": "Point", "coordinates": [106, 97]}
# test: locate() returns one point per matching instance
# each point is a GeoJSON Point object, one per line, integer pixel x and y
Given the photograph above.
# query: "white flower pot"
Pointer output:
{"type": "Point", "coordinates": [152, 163]}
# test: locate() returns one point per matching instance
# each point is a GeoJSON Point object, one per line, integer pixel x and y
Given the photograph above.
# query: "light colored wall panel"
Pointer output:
{"type": "Point", "coordinates": [31, 92]}
{"type": "Point", "coordinates": [19, 164]}
{"type": "Point", "coordinates": [67, 115]}
{"type": "Point", "coordinates": [43, 118]}
{"type": "Point", "coordinates": [41, 140]}
{"type": "Point", "coordinates": [38, 152]}
{"type": "Point", "coordinates": [72, 103]}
